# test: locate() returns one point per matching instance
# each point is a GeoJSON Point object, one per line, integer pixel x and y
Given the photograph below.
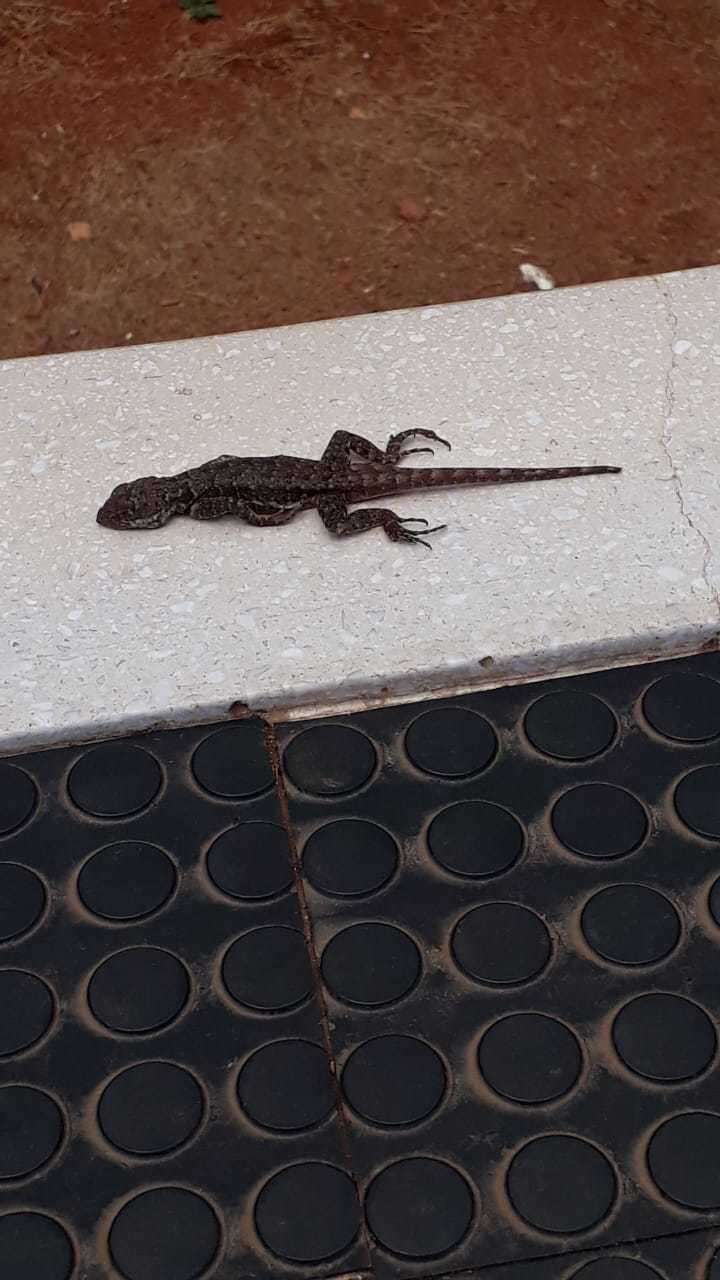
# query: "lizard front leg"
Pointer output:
{"type": "Point", "coordinates": [252, 513]}
{"type": "Point", "coordinates": [264, 516]}
{"type": "Point", "coordinates": [343, 523]}
{"type": "Point", "coordinates": [211, 508]}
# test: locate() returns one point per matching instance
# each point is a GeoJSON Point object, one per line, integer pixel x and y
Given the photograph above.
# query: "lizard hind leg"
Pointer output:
{"type": "Point", "coordinates": [343, 523]}
{"type": "Point", "coordinates": [394, 451]}
{"type": "Point", "coordinates": [345, 447]}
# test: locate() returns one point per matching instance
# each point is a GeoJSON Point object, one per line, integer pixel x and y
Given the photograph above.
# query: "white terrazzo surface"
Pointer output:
{"type": "Point", "coordinates": [105, 631]}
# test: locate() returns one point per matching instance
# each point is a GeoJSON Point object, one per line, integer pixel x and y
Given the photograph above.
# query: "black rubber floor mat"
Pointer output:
{"type": "Point", "coordinates": [516, 908]}
{"type": "Point", "coordinates": [501, 960]}
{"type": "Point", "coordinates": [166, 1105]}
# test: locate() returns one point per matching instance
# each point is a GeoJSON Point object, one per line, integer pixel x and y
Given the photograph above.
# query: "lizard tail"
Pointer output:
{"type": "Point", "coordinates": [384, 484]}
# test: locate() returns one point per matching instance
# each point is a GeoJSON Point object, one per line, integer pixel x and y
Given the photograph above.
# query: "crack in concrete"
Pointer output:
{"type": "Point", "coordinates": [666, 439]}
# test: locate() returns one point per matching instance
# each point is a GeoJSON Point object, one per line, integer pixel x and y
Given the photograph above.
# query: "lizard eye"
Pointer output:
{"type": "Point", "coordinates": [150, 500]}
{"type": "Point", "coordinates": [145, 502]}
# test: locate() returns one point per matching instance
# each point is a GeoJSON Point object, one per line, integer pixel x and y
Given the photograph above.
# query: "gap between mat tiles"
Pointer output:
{"type": "Point", "coordinates": [273, 749]}
{"type": "Point", "coordinates": [590, 1250]}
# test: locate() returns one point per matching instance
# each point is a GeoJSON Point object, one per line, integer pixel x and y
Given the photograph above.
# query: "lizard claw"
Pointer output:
{"type": "Point", "coordinates": [441, 440]}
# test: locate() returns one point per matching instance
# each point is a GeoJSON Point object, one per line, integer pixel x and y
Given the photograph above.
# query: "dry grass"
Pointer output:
{"type": "Point", "coordinates": [25, 19]}
{"type": "Point", "coordinates": [27, 28]}
{"type": "Point", "coordinates": [275, 42]}
{"type": "Point", "coordinates": [276, 195]}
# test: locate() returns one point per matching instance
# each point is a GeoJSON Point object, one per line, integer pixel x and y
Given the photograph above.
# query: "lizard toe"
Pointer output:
{"type": "Point", "coordinates": [398, 533]}
{"type": "Point", "coordinates": [407, 453]}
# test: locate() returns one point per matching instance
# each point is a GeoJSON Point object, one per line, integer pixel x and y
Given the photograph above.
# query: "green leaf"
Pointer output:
{"type": "Point", "coordinates": [201, 10]}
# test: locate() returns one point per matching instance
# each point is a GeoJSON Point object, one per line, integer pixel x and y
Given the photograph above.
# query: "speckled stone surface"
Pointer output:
{"type": "Point", "coordinates": [104, 630]}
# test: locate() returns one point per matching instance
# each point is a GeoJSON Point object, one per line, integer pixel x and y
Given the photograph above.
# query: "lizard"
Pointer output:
{"type": "Point", "coordinates": [273, 490]}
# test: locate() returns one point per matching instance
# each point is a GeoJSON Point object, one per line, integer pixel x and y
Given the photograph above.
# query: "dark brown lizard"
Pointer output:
{"type": "Point", "coordinates": [270, 491]}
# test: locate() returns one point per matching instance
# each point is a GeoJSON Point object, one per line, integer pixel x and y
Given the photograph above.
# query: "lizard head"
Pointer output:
{"type": "Point", "coordinates": [141, 504]}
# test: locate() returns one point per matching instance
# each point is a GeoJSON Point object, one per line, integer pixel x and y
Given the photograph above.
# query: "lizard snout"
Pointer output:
{"type": "Point", "coordinates": [138, 505]}
{"type": "Point", "coordinates": [116, 513]}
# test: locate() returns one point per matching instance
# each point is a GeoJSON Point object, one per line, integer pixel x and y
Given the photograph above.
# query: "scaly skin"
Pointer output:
{"type": "Point", "coordinates": [271, 491]}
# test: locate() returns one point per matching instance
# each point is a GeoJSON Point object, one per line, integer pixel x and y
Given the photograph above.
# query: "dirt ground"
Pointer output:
{"type": "Point", "coordinates": [162, 178]}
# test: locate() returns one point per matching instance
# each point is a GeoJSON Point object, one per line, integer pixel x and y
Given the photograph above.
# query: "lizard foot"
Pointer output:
{"type": "Point", "coordinates": [394, 452]}
{"type": "Point", "coordinates": [397, 532]}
